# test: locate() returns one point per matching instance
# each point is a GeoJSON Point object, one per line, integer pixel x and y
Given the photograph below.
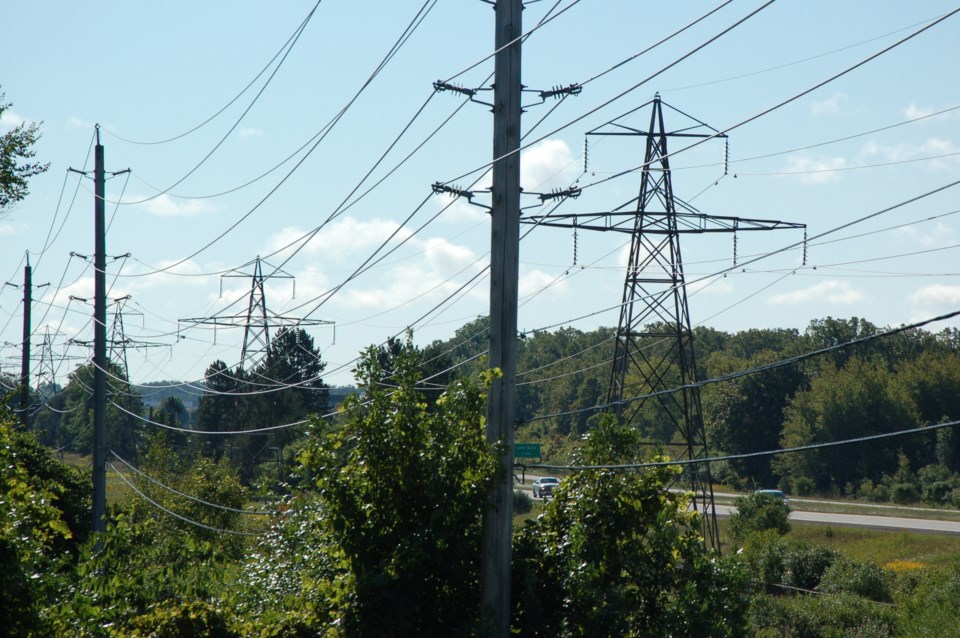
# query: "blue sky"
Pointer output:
{"type": "Point", "coordinates": [193, 209]}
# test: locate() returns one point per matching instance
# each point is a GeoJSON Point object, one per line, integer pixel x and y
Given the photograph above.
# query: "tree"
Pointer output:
{"type": "Point", "coordinates": [746, 414]}
{"type": "Point", "coordinates": [219, 408]}
{"type": "Point", "coordinates": [15, 149]}
{"type": "Point", "coordinates": [122, 418]}
{"type": "Point", "coordinates": [617, 554]}
{"type": "Point", "coordinates": [400, 492]}
{"type": "Point", "coordinates": [44, 515]}
{"type": "Point", "coordinates": [759, 512]}
{"type": "Point", "coordinates": [857, 400]}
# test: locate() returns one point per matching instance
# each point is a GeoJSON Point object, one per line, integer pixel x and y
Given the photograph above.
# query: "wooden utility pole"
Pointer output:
{"type": "Point", "coordinates": [25, 354]}
{"type": "Point", "coordinates": [99, 344]}
{"type": "Point", "coordinates": [504, 272]}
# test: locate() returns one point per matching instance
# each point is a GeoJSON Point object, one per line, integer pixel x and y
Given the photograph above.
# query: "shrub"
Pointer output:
{"type": "Point", "coordinates": [803, 485]}
{"type": "Point", "coordinates": [838, 616]}
{"type": "Point", "coordinates": [805, 564]}
{"type": "Point", "coordinates": [936, 493]}
{"type": "Point", "coordinates": [880, 493]}
{"type": "Point", "coordinates": [759, 512]}
{"type": "Point", "coordinates": [855, 577]}
{"type": "Point", "coordinates": [522, 503]}
{"type": "Point", "coordinates": [173, 620]}
{"type": "Point", "coordinates": [904, 493]}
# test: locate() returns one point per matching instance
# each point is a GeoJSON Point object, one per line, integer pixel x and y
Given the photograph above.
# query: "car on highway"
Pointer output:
{"type": "Point", "coordinates": [544, 486]}
{"type": "Point", "coordinates": [776, 495]}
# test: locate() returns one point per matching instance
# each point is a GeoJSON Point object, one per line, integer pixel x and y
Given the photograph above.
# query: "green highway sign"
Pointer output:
{"type": "Point", "coordinates": [526, 450]}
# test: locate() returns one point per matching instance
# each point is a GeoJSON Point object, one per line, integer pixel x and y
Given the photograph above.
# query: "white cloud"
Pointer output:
{"type": "Point", "coordinates": [7, 229]}
{"type": "Point", "coordinates": [166, 206]}
{"type": "Point", "coordinates": [912, 111]}
{"type": "Point", "coordinates": [941, 235]}
{"type": "Point", "coordinates": [175, 273]}
{"type": "Point", "coordinates": [932, 147]}
{"type": "Point", "coordinates": [543, 284]}
{"type": "Point", "coordinates": [711, 286]}
{"type": "Point", "coordinates": [77, 122]}
{"type": "Point", "coordinates": [547, 165]}
{"type": "Point", "coordinates": [10, 120]}
{"type": "Point", "coordinates": [344, 237]}
{"type": "Point", "coordinates": [250, 132]}
{"type": "Point", "coordinates": [937, 296]}
{"type": "Point", "coordinates": [830, 292]}
{"type": "Point", "coordinates": [815, 171]}
{"type": "Point", "coordinates": [830, 105]}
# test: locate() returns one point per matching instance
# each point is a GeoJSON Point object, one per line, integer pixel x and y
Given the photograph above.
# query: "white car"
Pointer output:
{"type": "Point", "coordinates": [544, 486]}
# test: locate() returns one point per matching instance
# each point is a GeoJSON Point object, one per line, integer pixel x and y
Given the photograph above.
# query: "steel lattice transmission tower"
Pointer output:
{"type": "Point", "coordinates": [257, 320]}
{"type": "Point", "coordinates": [654, 358]}
{"type": "Point", "coordinates": [654, 347]}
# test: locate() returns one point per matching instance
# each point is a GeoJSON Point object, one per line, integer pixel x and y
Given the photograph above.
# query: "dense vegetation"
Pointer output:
{"type": "Point", "coordinates": [366, 521]}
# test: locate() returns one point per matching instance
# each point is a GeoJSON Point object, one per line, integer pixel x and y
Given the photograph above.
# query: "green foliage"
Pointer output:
{"type": "Point", "coordinates": [759, 512]}
{"type": "Point", "coordinates": [773, 562]}
{"type": "Point", "coordinates": [176, 620]}
{"type": "Point", "coordinates": [400, 492]}
{"type": "Point", "coordinates": [16, 146]}
{"type": "Point", "coordinates": [124, 428]}
{"type": "Point", "coordinates": [862, 578]}
{"type": "Point", "coordinates": [803, 486]}
{"type": "Point", "coordinates": [932, 607]}
{"type": "Point", "coordinates": [840, 616]}
{"type": "Point", "coordinates": [522, 503]}
{"type": "Point", "coordinates": [41, 504]}
{"type": "Point", "coordinates": [284, 388]}
{"type": "Point", "coordinates": [857, 400]}
{"type": "Point", "coordinates": [616, 554]}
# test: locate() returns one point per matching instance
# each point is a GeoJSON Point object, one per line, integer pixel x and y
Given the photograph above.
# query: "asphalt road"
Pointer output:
{"type": "Point", "coordinates": [862, 520]}
{"type": "Point", "coordinates": [851, 520]}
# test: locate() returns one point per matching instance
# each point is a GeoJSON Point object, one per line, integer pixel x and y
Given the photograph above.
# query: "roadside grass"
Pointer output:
{"type": "Point", "coordinates": [879, 546]}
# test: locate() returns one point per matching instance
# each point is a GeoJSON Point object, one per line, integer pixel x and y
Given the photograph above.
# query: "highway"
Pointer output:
{"type": "Point", "coordinates": [863, 520]}
{"type": "Point", "coordinates": [869, 521]}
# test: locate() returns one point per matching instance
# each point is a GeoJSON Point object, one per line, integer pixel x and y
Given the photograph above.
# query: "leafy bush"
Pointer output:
{"type": "Point", "coordinates": [773, 561]}
{"type": "Point", "coordinates": [856, 577]}
{"type": "Point", "coordinates": [838, 616]}
{"type": "Point", "coordinates": [904, 493]}
{"type": "Point", "coordinates": [804, 486]}
{"type": "Point", "coordinates": [522, 503]}
{"type": "Point", "coordinates": [617, 554]}
{"type": "Point", "coordinates": [759, 512]}
{"type": "Point", "coordinates": [175, 620]}
{"type": "Point", "coordinates": [805, 564]}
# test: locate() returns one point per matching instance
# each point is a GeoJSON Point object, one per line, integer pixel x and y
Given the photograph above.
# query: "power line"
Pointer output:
{"type": "Point", "coordinates": [195, 499]}
{"type": "Point", "coordinates": [763, 368]}
{"type": "Point", "coordinates": [174, 514]}
{"type": "Point", "coordinates": [291, 42]}
{"type": "Point", "coordinates": [748, 455]}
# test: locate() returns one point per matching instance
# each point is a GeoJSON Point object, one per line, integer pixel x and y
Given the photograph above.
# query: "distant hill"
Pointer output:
{"type": "Point", "coordinates": [154, 393]}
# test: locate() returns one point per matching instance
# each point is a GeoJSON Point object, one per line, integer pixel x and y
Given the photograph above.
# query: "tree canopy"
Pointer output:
{"type": "Point", "coordinates": [16, 149]}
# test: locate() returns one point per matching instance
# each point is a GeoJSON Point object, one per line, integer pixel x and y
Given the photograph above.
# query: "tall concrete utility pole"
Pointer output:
{"type": "Point", "coordinates": [99, 344]}
{"type": "Point", "coordinates": [504, 272]}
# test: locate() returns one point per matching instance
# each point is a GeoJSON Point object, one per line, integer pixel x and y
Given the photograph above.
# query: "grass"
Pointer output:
{"type": "Point", "coordinates": [883, 547]}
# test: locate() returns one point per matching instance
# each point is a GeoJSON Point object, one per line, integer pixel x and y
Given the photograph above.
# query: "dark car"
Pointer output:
{"type": "Point", "coordinates": [544, 485]}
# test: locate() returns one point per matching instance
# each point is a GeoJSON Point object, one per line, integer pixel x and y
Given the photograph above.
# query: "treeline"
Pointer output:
{"type": "Point", "coordinates": [865, 382]}
{"type": "Point", "coordinates": [847, 378]}
{"type": "Point", "coordinates": [283, 389]}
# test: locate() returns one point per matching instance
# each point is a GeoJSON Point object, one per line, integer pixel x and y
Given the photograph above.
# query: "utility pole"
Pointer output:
{"type": "Point", "coordinates": [25, 354]}
{"type": "Point", "coordinates": [99, 344]}
{"type": "Point", "coordinates": [504, 272]}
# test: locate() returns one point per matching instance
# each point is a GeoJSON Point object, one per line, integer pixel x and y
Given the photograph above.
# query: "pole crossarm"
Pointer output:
{"type": "Point", "coordinates": [240, 321]}
{"type": "Point", "coordinates": [658, 222]}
